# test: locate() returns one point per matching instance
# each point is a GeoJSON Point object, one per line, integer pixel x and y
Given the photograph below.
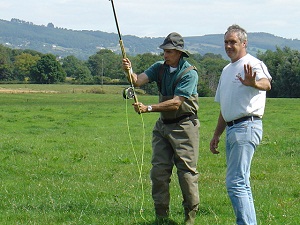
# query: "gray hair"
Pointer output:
{"type": "Point", "coordinates": [240, 32]}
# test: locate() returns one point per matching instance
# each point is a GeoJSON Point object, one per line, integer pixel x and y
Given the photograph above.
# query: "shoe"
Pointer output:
{"type": "Point", "coordinates": [164, 221]}
{"type": "Point", "coordinates": [161, 221]}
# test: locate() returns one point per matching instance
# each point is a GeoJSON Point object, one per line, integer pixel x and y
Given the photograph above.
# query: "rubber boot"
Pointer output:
{"type": "Point", "coordinates": [162, 214]}
{"type": "Point", "coordinates": [190, 217]}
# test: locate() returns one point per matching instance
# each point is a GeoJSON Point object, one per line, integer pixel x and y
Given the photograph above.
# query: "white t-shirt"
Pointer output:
{"type": "Point", "coordinates": [237, 100]}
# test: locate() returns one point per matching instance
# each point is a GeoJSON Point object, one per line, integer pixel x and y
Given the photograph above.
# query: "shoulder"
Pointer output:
{"type": "Point", "coordinates": [225, 67]}
{"type": "Point", "coordinates": [153, 71]}
{"type": "Point", "coordinates": [188, 73]}
{"type": "Point", "coordinates": [154, 67]}
{"type": "Point", "coordinates": [259, 67]}
{"type": "Point", "coordinates": [250, 59]}
{"type": "Point", "coordinates": [186, 66]}
{"type": "Point", "coordinates": [157, 65]}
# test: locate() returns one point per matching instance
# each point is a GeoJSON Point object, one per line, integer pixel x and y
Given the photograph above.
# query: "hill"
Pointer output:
{"type": "Point", "coordinates": [82, 44]}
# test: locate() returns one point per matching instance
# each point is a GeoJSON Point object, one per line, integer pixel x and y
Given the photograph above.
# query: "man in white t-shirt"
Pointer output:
{"type": "Point", "coordinates": [242, 95]}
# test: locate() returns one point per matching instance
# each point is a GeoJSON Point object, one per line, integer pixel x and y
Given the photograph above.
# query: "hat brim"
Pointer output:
{"type": "Point", "coordinates": [184, 52]}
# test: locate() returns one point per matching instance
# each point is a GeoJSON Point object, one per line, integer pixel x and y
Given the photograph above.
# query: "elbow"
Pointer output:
{"type": "Point", "coordinates": [269, 86]}
{"type": "Point", "coordinates": [264, 85]}
{"type": "Point", "coordinates": [137, 83]}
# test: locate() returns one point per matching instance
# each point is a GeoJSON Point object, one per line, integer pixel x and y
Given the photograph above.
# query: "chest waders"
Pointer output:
{"type": "Point", "coordinates": [175, 141]}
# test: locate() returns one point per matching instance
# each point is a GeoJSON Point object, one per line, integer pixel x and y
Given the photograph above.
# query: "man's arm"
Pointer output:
{"type": "Point", "coordinates": [137, 80]}
{"type": "Point", "coordinates": [217, 134]}
{"type": "Point", "coordinates": [263, 84]}
{"type": "Point", "coordinates": [169, 105]}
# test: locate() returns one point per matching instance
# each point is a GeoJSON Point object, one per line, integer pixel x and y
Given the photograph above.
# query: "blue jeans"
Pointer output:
{"type": "Point", "coordinates": [241, 141]}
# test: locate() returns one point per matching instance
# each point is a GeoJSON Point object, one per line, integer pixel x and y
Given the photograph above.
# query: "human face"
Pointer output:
{"type": "Point", "coordinates": [234, 48]}
{"type": "Point", "coordinates": [172, 57]}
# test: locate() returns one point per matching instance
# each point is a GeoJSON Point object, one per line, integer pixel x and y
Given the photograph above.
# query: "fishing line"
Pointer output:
{"type": "Point", "coordinates": [128, 94]}
{"type": "Point", "coordinates": [141, 163]}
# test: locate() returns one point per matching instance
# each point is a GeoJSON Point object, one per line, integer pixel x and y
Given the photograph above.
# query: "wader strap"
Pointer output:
{"type": "Point", "coordinates": [161, 73]}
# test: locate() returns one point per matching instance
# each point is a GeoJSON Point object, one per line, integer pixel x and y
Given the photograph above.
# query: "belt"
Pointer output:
{"type": "Point", "coordinates": [176, 120]}
{"type": "Point", "coordinates": [246, 118]}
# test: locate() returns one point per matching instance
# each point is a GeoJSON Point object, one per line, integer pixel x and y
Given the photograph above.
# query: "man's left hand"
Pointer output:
{"type": "Point", "coordinates": [140, 107]}
{"type": "Point", "coordinates": [249, 79]}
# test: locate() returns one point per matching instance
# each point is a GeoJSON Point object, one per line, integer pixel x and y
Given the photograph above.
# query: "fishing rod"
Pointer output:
{"type": "Point", "coordinates": [129, 92]}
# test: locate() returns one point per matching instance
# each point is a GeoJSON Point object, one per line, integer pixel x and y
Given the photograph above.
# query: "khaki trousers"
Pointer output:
{"type": "Point", "coordinates": [175, 144]}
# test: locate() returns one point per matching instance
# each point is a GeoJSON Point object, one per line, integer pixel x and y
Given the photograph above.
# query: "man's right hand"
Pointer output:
{"type": "Point", "coordinates": [126, 64]}
{"type": "Point", "coordinates": [214, 145]}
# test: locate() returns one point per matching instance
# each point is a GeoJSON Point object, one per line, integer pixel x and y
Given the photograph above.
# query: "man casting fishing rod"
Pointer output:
{"type": "Point", "coordinates": [175, 137]}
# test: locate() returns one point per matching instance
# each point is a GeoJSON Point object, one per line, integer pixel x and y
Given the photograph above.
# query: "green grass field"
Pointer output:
{"type": "Point", "coordinates": [66, 158]}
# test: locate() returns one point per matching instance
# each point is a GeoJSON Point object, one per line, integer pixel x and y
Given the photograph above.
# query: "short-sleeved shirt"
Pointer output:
{"type": "Point", "coordinates": [237, 100]}
{"type": "Point", "coordinates": [185, 87]}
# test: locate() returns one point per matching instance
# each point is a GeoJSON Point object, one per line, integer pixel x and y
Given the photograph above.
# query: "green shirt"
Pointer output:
{"type": "Point", "coordinates": [187, 85]}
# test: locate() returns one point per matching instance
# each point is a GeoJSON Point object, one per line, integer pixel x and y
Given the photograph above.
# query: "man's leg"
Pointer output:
{"type": "Point", "coordinates": [240, 146]}
{"type": "Point", "coordinates": [162, 164]}
{"type": "Point", "coordinates": [186, 145]}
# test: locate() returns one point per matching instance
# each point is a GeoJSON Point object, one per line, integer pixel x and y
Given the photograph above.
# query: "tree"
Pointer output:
{"type": "Point", "coordinates": [50, 25]}
{"type": "Point", "coordinates": [23, 64]}
{"type": "Point", "coordinates": [142, 61]}
{"type": "Point", "coordinates": [284, 67]}
{"type": "Point", "coordinates": [47, 70]}
{"type": "Point", "coordinates": [213, 66]}
{"type": "Point", "coordinates": [107, 62]}
{"type": "Point", "coordinates": [83, 74]}
{"type": "Point", "coordinates": [6, 67]}
{"type": "Point", "coordinates": [76, 69]}
{"type": "Point", "coordinates": [289, 78]}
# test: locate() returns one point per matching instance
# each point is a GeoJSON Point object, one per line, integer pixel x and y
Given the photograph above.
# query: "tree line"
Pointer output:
{"type": "Point", "coordinates": [104, 67]}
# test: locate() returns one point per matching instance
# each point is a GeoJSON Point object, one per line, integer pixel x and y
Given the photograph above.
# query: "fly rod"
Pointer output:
{"type": "Point", "coordinates": [128, 93]}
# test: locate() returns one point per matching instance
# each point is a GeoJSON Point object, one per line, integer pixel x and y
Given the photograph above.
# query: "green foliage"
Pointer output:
{"type": "Point", "coordinates": [104, 67]}
{"type": "Point", "coordinates": [47, 70]}
{"type": "Point", "coordinates": [6, 67]}
{"type": "Point", "coordinates": [76, 69]}
{"type": "Point", "coordinates": [23, 64]}
{"type": "Point", "coordinates": [284, 67]}
{"type": "Point", "coordinates": [141, 62]}
{"type": "Point", "coordinates": [212, 68]}
{"type": "Point", "coordinates": [107, 62]}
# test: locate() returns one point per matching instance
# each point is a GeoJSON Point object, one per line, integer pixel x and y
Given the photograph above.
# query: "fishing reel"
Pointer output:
{"type": "Point", "coordinates": [128, 93]}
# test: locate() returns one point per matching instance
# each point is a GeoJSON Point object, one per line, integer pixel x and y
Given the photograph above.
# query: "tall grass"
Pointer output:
{"type": "Point", "coordinates": [66, 158]}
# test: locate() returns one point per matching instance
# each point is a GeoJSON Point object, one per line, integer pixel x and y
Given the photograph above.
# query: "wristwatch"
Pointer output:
{"type": "Point", "coordinates": [149, 108]}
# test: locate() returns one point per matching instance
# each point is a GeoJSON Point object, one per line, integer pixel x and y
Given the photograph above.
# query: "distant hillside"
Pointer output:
{"type": "Point", "coordinates": [82, 44]}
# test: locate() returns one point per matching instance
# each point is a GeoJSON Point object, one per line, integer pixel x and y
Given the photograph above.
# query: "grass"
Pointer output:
{"type": "Point", "coordinates": [66, 158]}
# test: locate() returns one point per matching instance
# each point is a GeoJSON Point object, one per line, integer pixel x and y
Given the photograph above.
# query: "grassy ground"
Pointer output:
{"type": "Point", "coordinates": [66, 158]}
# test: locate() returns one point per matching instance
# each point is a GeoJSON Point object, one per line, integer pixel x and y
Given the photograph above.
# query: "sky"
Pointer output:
{"type": "Point", "coordinates": [158, 18]}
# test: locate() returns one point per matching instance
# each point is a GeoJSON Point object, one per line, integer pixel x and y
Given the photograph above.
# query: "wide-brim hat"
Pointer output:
{"type": "Point", "coordinates": [174, 41]}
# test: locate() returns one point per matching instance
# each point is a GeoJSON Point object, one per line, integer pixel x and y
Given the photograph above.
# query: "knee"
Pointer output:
{"type": "Point", "coordinates": [235, 184]}
{"type": "Point", "coordinates": [160, 174]}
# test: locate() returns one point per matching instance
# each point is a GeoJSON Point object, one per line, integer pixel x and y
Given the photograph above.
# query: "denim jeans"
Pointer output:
{"type": "Point", "coordinates": [241, 141]}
